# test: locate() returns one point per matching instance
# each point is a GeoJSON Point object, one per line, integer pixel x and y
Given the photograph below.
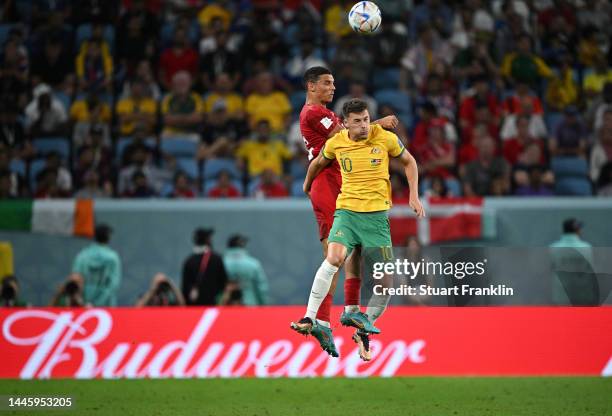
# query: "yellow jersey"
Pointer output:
{"type": "Point", "coordinates": [364, 166]}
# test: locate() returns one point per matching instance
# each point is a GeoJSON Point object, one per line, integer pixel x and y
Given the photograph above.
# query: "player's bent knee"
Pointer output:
{"type": "Point", "coordinates": [336, 253]}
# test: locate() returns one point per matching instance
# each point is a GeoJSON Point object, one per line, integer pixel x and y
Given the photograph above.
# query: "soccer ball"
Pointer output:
{"type": "Point", "coordinates": [364, 17]}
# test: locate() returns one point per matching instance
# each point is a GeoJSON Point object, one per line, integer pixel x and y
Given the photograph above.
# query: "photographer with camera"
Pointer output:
{"type": "Point", "coordinates": [163, 292]}
{"type": "Point", "coordinates": [69, 293]}
{"type": "Point", "coordinates": [9, 294]}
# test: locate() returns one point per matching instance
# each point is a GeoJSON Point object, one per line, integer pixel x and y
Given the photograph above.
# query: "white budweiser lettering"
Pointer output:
{"type": "Point", "coordinates": [74, 337]}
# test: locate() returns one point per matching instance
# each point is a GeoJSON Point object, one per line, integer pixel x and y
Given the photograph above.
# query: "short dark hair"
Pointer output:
{"type": "Point", "coordinates": [354, 105]}
{"type": "Point", "coordinates": [312, 74]}
{"type": "Point", "coordinates": [102, 233]}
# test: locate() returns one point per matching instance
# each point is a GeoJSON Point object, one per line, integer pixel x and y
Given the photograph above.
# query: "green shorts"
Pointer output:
{"type": "Point", "coordinates": [369, 230]}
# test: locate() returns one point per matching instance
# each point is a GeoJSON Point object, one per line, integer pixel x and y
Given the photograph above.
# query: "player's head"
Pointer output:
{"type": "Point", "coordinates": [319, 84]}
{"type": "Point", "coordinates": [356, 118]}
{"type": "Point", "coordinates": [102, 233]}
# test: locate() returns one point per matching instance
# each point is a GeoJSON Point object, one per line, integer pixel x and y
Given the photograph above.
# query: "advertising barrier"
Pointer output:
{"type": "Point", "coordinates": [257, 342]}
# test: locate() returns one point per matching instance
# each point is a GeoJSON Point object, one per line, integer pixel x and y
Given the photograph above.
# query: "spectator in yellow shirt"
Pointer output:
{"type": "Point", "coordinates": [562, 90]}
{"type": "Point", "coordinates": [336, 24]}
{"type": "Point", "coordinates": [182, 109]}
{"type": "Point", "coordinates": [524, 66]}
{"type": "Point", "coordinates": [234, 104]}
{"type": "Point", "coordinates": [263, 153]}
{"type": "Point", "coordinates": [94, 66]}
{"type": "Point", "coordinates": [90, 109]}
{"type": "Point", "coordinates": [268, 104]}
{"type": "Point", "coordinates": [137, 108]}
{"type": "Point", "coordinates": [594, 82]}
{"type": "Point", "coordinates": [217, 10]}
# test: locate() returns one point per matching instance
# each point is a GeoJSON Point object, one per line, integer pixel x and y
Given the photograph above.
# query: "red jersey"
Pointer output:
{"type": "Point", "coordinates": [316, 122]}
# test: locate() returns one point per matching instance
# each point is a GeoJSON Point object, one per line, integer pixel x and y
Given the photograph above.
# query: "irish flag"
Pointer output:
{"type": "Point", "coordinates": [448, 219]}
{"type": "Point", "coordinates": [51, 216]}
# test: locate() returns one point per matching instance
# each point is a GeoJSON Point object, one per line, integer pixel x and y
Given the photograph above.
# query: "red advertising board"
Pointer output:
{"type": "Point", "coordinates": [238, 341]}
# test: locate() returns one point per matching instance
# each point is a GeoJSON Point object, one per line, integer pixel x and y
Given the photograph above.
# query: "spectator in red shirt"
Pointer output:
{"type": "Point", "coordinates": [437, 157]}
{"type": "Point", "coordinates": [224, 187]}
{"type": "Point", "coordinates": [523, 101]}
{"type": "Point", "coordinates": [270, 186]}
{"type": "Point", "coordinates": [180, 57]}
{"type": "Point", "coordinates": [514, 147]}
{"type": "Point", "coordinates": [182, 187]}
{"type": "Point", "coordinates": [482, 96]}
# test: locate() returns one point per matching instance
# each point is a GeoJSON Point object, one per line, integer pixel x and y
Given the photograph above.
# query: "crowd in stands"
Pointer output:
{"type": "Point", "coordinates": [200, 99]}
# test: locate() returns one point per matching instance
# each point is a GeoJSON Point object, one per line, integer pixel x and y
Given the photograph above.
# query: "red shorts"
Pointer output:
{"type": "Point", "coordinates": [323, 194]}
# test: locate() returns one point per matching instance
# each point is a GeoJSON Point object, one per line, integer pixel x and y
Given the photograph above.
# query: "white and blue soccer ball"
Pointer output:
{"type": "Point", "coordinates": [365, 17]}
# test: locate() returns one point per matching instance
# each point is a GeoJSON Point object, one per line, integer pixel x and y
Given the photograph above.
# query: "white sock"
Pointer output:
{"type": "Point", "coordinates": [324, 323]}
{"type": "Point", "coordinates": [320, 286]}
{"type": "Point", "coordinates": [351, 308]}
{"type": "Point", "coordinates": [376, 307]}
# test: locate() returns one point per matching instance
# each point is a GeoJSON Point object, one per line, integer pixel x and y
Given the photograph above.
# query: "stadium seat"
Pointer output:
{"type": "Point", "coordinates": [569, 167]}
{"type": "Point", "coordinates": [573, 187]}
{"type": "Point", "coordinates": [552, 120]}
{"type": "Point", "coordinates": [63, 98]}
{"type": "Point", "coordinates": [212, 168]}
{"type": "Point", "coordinates": [179, 147]}
{"type": "Point", "coordinates": [297, 99]}
{"type": "Point", "coordinates": [18, 166]}
{"type": "Point", "coordinates": [84, 32]}
{"type": "Point", "coordinates": [210, 183]}
{"type": "Point", "coordinates": [53, 144]}
{"type": "Point", "coordinates": [36, 166]}
{"type": "Point", "coordinates": [400, 102]}
{"type": "Point", "coordinates": [297, 189]}
{"type": "Point", "coordinates": [5, 28]}
{"type": "Point", "coordinates": [297, 170]}
{"type": "Point", "coordinates": [189, 166]}
{"type": "Point", "coordinates": [123, 142]}
{"type": "Point", "coordinates": [386, 79]}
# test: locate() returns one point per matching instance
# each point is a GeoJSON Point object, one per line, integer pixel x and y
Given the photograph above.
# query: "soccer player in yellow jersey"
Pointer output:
{"type": "Point", "coordinates": [363, 151]}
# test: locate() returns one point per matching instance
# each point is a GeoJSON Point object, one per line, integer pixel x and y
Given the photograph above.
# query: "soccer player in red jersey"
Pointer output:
{"type": "Point", "coordinates": [317, 124]}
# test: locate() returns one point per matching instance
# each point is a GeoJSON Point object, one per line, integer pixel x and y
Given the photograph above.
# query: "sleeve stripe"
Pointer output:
{"type": "Point", "coordinates": [400, 153]}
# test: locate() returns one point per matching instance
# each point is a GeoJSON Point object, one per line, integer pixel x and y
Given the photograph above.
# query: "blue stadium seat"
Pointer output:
{"type": "Point", "coordinates": [189, 166]}
{"type": "Point", "coordinates": [49, 144]}
{"type": "Point", "coordinates": [5, 28]}
{"type": "Point", "coordinates": [167, 33]}
{"type": "Point", "coordinates": [35, 167]}
{"type": "Point", "coordinates": [452, 185]}
{"type": "Point", "coordinates": [297, 100]}
{"type": "Point", "coordinates": [166, 190]}
{"type": "Point", "coordinates": [18, 166]}
{"type": "Point", "coordinates": [400, 102]}
{"type": "Point", "coordinates": [552, 120]}
{"type": "Point", "coordinates": [84, 32]}
{"type": "Point", "coordinates": [210, 183]}
{"type": "Point", "coordinates": [574, 167]}
{"type": "Point", "coordinates": [297, 170]}
{"type": "Point", "coordinates": [386, 78]}
{"type": "Point", "coordinates": [573, 187]}
{"type": "Point", "coordinates": [297, 189]}
{"type": "Point", "coordinates": [123, 142]}
{"type": "Point", "coordinates": [63, 98]}
{"type": "Point", "coordinates": [212, 168]}
{"type": "Point", "coordinates": [253, 183]}
{"type": "Point", "coordinates": [179, 147]}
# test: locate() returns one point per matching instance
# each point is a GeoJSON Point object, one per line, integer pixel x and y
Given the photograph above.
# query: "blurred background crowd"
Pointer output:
{"type": "Point", "coordinates": [194, 98]}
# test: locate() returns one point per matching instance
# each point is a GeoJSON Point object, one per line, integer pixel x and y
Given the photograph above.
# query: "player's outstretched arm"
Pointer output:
{"type": "Point", "coordinates": [313, 170]}
{"type": "Point", "coordinates": [412, 174]}
{"type": "Point", "coordinates": [387, 123]}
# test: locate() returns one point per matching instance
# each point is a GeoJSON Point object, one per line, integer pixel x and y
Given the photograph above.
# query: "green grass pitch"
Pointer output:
{"type": "Point", "coordinates": [423, 396]}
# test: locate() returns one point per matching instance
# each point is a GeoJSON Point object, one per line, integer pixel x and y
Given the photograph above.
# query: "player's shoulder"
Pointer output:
{"type": "Point", "coordinates": [310, 111]}
{"type": "Point", "coordinates": [382, 135]}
